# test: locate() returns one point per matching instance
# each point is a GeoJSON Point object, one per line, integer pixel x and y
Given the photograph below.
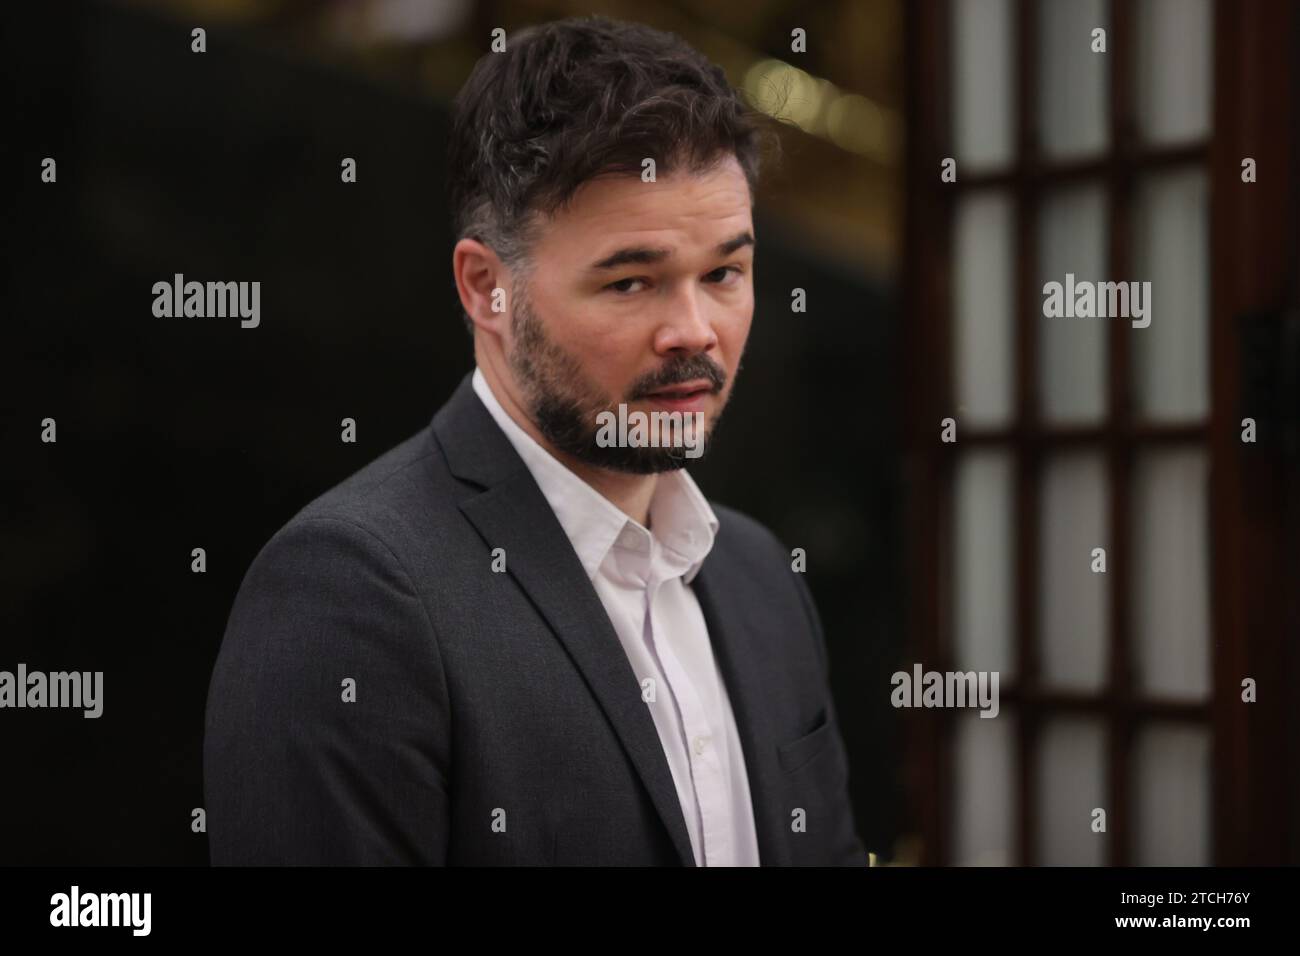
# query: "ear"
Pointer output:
{"type": "Point", "coordinates": [482, 283]}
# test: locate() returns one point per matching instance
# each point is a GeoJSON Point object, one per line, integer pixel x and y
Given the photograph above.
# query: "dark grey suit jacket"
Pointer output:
{"type": "Point", "coordinates": [486, 698]}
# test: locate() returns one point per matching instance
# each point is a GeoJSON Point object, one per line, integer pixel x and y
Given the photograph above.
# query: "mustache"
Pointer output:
{"type": "Point", "coordinates": [676, 372]}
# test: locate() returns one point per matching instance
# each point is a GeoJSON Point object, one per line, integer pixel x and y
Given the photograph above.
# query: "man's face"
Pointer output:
{"type": "Point", "coordinates": [640, 293]}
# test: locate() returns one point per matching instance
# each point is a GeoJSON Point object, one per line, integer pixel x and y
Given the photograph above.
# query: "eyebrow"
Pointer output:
{"type": "Point", "coordinates": [644, 255]}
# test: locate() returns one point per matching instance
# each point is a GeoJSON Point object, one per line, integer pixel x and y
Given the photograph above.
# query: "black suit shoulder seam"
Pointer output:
{"type": "Point", "coordinates": [410, 582]}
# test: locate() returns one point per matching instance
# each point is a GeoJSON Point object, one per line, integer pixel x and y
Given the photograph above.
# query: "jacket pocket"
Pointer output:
{"type": "Point", "coordinates": [797, 753]}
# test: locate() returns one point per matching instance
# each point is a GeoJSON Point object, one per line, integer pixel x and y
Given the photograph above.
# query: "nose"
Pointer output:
{"type": "Point", "coordinates": [687, 328]}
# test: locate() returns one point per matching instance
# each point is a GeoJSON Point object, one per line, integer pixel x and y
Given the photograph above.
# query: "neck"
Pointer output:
{"type": "Point", "coordinates": [630, 493]}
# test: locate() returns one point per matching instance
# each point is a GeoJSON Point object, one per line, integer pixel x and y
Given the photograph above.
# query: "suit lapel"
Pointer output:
{"type": "Point", "coordinates": [512, 513]}
{"type": "Point", "coordinates": [734, 631]}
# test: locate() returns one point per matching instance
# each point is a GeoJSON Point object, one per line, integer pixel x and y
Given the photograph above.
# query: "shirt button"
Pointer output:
{"type": "Point", "coordinates": [700, 743]}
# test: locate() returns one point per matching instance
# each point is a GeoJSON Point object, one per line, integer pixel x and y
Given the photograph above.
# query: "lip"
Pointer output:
{"type": "Point", "coordinates": [683, 388]}
{"type": "Point", "coordinates": [683, 397]}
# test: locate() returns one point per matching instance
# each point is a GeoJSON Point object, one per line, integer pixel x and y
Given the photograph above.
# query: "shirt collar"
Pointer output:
{"type": "Point", "coordinates": [683, 523]}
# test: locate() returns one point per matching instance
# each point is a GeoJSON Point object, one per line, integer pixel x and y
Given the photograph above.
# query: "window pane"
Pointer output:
{"type": "Point", "coordinates": [1072, 351]}
{"type": "Point", "coordinates": [984, 805]}
{"type": "Point", "coordinates": [1171, 780]}
{"type": "Point", "coordinates": [1171, 251]}
{"type": "Point", "coordinates": [1170, 575]}
{"type": "Point", "coordinates": [1075, 600]}
{"type": "Point", "coordinates": [1174, 41]}
{"type": "Point", "coordinates": [983, 53]}
{"type": "Point", "coordinates": [1071, 784]}
{"type": "Point", "coordinates": [983, 308]}
{"type": "Point", "coordinates": [1073, 81]}
{"type": "Point", "coordinates": [983, 603]}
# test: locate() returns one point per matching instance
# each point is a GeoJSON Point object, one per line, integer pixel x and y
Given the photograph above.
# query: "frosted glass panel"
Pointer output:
{"type": "Point", "coordinates": [1170, 361]}
{"type": "Point", "coordinates": [983, 309]}
{"type": "Point", "coordinates": [1073, 81]}
{"type": "Point", "coordinates": [983, 52]}
{"type": "Point", "coordinates": [984, 803]}
{"type": "Point", "coordinates": [1171, 798]}
{"type": "Point", "coordinates": [1072, 350]}
{"type": "Point", "coordinates": [1071, 784]}
{"type": "Point", "coordinates": [983, 603]}
{"type": "Point", "coordinates": [1075, 600]}
{"type": "Point", "coordinates": [1170, 573]}
{"type": "Point", "coordinates": [1173, 69]}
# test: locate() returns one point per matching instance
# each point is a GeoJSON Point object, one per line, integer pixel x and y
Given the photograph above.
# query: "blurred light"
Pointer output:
{"type": "Point", "coordinates": [418, 19]}
{"type": "Point", "coordinates": [859, 125]}
{"type": "Point", "coordinates": [362, 22]}
{"type": "Point", "coordinates": [817, 106]}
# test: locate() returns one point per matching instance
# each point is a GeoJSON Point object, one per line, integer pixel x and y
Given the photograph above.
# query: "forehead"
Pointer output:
{"type": "Point", "coordinates": [688, 211]}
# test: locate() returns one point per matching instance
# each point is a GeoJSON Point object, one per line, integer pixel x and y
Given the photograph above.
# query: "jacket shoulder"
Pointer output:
{"type": "Point", "coordinates": [741, 534]}
{"type": "Point", "coordinates": [404, 493]}
{"type": "Point", "coordinates": [394, 481]}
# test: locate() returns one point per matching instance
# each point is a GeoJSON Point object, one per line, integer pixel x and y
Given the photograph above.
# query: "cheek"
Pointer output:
{"type": "Point", "coordinates": [574, 321]}
{"type": "Point", "coordinates": [733, 331]}
{"type": "Point", "coordinates": [607, 351]}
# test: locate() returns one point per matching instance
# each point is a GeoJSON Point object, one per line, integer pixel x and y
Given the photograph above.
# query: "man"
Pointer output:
{"type": "Point", "coordinates": [517, 638]}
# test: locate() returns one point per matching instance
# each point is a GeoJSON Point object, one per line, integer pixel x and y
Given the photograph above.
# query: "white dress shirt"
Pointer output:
{"type": "Point", "coordinates": [643, 579]}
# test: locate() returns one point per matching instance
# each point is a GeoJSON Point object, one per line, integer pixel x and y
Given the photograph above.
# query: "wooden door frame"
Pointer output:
{"type": "Point", "coordinates": [1254, 538]}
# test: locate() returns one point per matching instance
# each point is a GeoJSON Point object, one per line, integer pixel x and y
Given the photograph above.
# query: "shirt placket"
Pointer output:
{"type": "Point", "coordinates": [708, 780]}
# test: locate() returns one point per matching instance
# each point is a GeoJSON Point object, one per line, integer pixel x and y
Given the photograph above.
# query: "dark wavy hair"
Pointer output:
{"type": "Point", "coordinates": [575, 98]}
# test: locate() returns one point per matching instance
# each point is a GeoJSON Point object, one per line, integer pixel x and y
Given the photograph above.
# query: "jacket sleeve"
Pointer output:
{"type": "Point", "coordinates": [848, 848]}
{"type": "Point", "coordinates": [327, 725]}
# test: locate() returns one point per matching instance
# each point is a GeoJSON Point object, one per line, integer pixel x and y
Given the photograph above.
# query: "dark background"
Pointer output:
{"type": "Point", "coordinates": [181, 433]}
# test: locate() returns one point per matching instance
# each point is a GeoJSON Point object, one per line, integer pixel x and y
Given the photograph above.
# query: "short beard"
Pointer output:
{"type": "Point", "coordinates": [564, 404]}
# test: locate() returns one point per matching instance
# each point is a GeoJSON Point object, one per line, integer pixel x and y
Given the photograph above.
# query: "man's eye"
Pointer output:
{"type": "Point", "coordinates": [725, 269]}
{"type": "Point", "coordinates": [621, 287]}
